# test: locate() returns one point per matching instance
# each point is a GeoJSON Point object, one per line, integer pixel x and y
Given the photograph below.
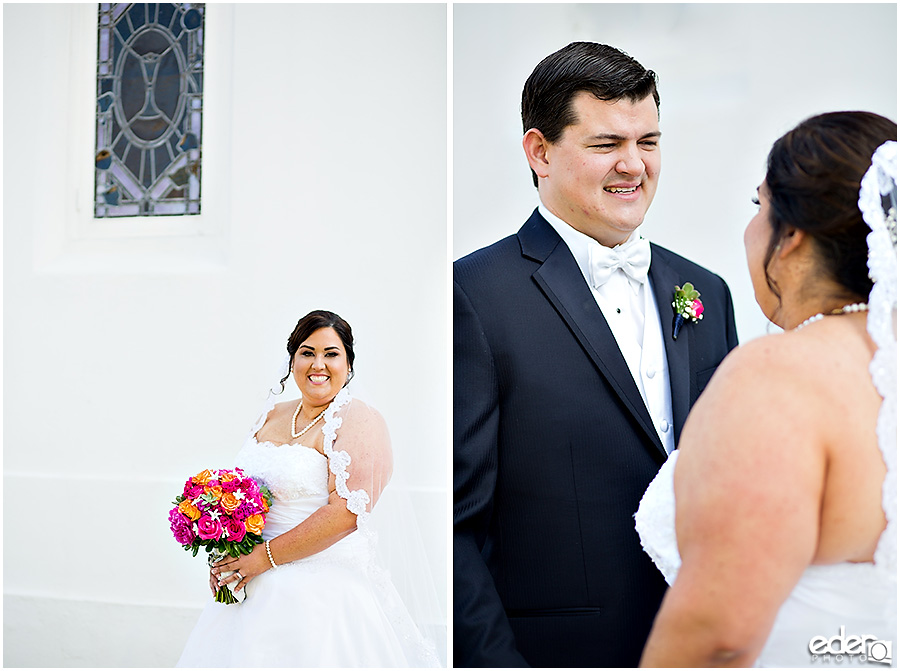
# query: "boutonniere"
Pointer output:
{"type": "Point", "coordinates": [687, 306]}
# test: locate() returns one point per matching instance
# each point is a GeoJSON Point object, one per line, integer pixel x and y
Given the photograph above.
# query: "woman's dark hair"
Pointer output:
{"type": "Point", "coordinates": [309, 324]}
{"type": "Point", "coordinates": [813, 178]}
{"type": "Point", "coordinates": [601, 70]}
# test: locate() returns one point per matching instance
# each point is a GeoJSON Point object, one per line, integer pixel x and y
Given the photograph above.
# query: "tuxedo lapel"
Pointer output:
{"type": "Point", "coordinates": [564, 286]}
{"type": "Point", "coordinates": [664, 278]}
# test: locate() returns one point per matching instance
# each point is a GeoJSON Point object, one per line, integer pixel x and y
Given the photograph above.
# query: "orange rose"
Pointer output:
{"type": "Point", "coordinates": [215, 490]}
{"type": "Point", "coordinates": [189, 509]}
{"type": "Point", "coordinates": [203, 478]}
{"type": "Point", "coordinates": [255, 523]}
{"type": "Point", "coordinates": [229, 502]}
{"type": "Point", "coordinates": [264, 505]}
{"type": "Point", "coordinates": [227, 477]}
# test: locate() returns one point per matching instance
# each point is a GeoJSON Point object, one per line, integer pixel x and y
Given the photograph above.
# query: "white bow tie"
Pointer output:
{"type": "Point", "coordinates": [633, 258]}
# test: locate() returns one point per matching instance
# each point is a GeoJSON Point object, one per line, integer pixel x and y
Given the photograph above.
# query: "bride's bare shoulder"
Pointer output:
{"type": "Point", "coordinates": [817, 358]}
{"type": "Point", "coordinates": [765, 361]}
{"type": "Point", "coordinates": [767, 391]}
{"type": "Point", "coordinates": [283, 408]}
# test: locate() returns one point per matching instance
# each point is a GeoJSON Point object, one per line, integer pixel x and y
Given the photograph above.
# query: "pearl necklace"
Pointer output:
{"type": "Point", "coordinates": [294, 432]}
{"type": "Point", "coordinates": [847, 309]}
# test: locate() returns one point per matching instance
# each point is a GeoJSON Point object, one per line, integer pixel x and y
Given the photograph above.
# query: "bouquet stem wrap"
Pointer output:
{"type": "Point", "coordinates": [225, 593]}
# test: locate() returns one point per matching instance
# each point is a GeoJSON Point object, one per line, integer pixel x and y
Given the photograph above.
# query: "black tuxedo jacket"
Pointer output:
{"type": "Point", "coordinates": [553, 449]}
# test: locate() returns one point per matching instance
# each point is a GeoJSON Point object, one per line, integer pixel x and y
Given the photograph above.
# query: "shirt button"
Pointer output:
{"type": "Point", "coordinates": [651, 372]}
{"type": "Point", "coordinates": [664, 426]}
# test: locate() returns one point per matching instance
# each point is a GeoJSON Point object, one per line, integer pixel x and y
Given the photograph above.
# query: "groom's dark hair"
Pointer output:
{"type": "Point", "coordinates": [603, 71]}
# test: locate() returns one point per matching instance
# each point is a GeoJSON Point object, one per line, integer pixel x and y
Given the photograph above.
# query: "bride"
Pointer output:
{"type": "Point", "coordinates": [774, 520]}
{"type": "Point", "coordinates": [315, 596]}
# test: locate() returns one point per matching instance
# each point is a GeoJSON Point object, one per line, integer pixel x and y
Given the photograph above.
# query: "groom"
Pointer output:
{"type": "Point", "coordinates": [569, 388]}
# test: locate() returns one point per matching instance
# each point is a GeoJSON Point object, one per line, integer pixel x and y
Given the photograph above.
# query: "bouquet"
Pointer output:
{"type": "Point", "coordinates": [224, 512]}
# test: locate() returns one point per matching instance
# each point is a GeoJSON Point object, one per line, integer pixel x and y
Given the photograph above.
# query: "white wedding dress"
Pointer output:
{"type": "Point", "coordinates": [334, 609]}
{"type": "Point", "coordinates": [858, 597]}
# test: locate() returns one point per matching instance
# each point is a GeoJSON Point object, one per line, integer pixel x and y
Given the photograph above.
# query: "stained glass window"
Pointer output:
{"type": "Point", "coordinates": [149, 109]}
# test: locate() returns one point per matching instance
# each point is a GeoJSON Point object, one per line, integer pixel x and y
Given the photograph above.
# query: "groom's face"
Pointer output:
{"type": "Point", "coordinates": [603, 170]}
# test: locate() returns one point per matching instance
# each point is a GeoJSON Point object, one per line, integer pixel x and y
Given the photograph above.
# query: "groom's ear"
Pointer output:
{"type": "Point", "coordinates": [535, 145]}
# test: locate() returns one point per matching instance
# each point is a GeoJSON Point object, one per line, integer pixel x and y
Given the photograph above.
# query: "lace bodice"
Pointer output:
{"type": "Point", "coordinates": [291, 472]}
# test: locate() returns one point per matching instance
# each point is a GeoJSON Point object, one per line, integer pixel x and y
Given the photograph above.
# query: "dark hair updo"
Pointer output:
{"type": "Point", "coordinates": [309, 324]}
{"type": "Point", "coordinates": [603, 71]}
{"type": "Point", "coordinates": [813, 177]}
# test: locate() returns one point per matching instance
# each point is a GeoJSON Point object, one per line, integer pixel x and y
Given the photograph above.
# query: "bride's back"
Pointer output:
{"type": "Point", "coordinates": [785, 435]}
{"type": "Point", "coordinates": [835, 359]}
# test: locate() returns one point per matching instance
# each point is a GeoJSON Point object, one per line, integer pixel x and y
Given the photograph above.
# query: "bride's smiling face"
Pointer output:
{"type": "Point", "coordinates": [320, 367]}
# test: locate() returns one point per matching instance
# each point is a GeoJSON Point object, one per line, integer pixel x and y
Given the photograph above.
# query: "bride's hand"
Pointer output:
{"type": "Point", "coordinates": [245, 567]}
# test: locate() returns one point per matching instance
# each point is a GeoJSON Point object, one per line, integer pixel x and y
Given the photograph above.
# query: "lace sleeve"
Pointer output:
{"type": "Point", "coordinates": [359, 453]}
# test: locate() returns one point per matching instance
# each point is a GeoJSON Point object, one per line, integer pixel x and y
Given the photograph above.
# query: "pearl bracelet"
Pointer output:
{"type": "Point", "coordinates": [269, 552]}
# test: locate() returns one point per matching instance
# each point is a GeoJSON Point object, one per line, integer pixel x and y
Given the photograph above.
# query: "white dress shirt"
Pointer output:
{"type": "Point", "coordinates": [630, 310]}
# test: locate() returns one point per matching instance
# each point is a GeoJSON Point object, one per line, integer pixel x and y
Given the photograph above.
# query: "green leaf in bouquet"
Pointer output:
{"type": "Point", "coordinates": [266, 494]}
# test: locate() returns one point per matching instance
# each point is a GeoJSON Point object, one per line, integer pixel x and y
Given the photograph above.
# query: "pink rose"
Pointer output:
{"type": "Point", "coordinates": [234, 530]}
{"type": "Point", "coordinates": [181, 527]}
{"type": "Point", "coordinates": [697, 307]}
{"type": "Point", "coordinates": [193, 491]}
{"type": "Point", "coordinates": [208, 528]}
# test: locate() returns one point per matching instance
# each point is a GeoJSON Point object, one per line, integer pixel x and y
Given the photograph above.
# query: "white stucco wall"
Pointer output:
{"type": "Point", "coordinates": [732, 79]}
{"type": "Point", "coordinates": [132, 360]}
